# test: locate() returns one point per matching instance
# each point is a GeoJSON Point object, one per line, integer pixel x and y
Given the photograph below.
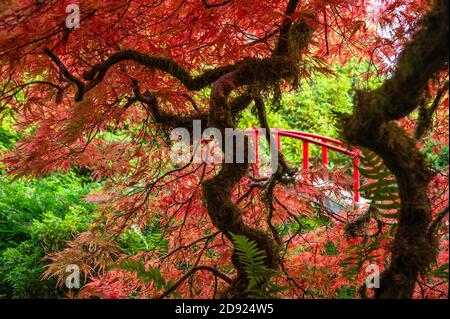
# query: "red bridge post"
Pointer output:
{"type": "Point", "coordinates": [324, 157]}
{"type": "Point", "coordinates": [305, 155]}
{"type": "Point", "coordinates": [326, 143]}
{"type": "Point", "coordinates": [356, 179]}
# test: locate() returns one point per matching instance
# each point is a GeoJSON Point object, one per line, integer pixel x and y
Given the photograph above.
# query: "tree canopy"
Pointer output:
{"type": "Point", "coordinates": [104, 96]}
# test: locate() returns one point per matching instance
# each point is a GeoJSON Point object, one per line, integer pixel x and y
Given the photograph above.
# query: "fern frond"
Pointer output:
{"type": "Point", "coordinates": [252, 259]}
{"type": "Point", "coordinates": [147, 276]}
{"type": "Point", "coordinates": [382, 189]}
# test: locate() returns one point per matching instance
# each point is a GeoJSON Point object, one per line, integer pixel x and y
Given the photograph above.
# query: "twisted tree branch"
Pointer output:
{"type": "Point", "coordinates": [372, 126]}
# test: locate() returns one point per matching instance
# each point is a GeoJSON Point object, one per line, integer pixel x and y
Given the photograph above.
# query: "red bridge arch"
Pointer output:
{"type": "Point", "coordinates": [326, 143]}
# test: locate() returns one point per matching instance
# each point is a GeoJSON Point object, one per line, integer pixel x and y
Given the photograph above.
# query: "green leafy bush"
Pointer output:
{"type": "Point", "coordinates": [21, 266]}
{"type": "Point", "coordinates": [438, 160]}
{"type": "Point", "coordinates": [20, 272]}
{"type": "Point", "coordinates": [7, 134]}
{"type": "Point", "coordinates": [52, 231]}
{"type": "Point", "coordinates": [23, 201]}
{"type": "Point", "coordinates": [38, 217]}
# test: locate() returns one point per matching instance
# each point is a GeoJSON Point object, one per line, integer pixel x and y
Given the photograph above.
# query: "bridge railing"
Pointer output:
{"type": "Point", "coordinates": [326, 143]}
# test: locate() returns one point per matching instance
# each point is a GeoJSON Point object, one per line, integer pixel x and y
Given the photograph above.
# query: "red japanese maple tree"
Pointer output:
{"type": "Point", "coordinates": [143, 67]}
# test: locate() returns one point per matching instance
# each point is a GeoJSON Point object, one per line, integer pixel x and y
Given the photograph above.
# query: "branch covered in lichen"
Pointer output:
{"type": "Point", "coordinates": [372, 125]}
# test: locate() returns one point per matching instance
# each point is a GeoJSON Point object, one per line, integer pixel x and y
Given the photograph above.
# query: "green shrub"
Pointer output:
{"type": "Point", "coordinates": [37, 217]}
{"type": "Point", "coordinates": [20, 272]}
{"type": "Point", "coordinates": [21, 266]}
{"type": "Point", "coordinates": [438, 160]}
{"type": "Point", "coordinates": [23, 201]}
{"type": "Point", "coordinates": [7, 134]}
{"type": "Point", "coordinates": [52, 231]}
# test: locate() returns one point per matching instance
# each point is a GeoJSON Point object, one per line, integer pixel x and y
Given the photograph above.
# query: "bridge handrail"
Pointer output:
{"type": "Point", "coordinates": [311, 138]}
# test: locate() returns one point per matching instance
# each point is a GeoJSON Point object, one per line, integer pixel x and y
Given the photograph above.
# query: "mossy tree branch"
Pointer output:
{"type": "Point", "coordinates": [225, 214]}
{"type": "Point", "coordinates": [372, 125]}
{"type": "Point", "coordinates": [264, 73]}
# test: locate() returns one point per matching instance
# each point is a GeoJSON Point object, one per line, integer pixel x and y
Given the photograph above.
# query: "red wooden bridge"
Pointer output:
{"type": "Point", "coordinates": [326, 143]}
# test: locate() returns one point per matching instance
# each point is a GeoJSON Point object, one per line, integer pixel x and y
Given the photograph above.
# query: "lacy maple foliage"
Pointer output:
{"type": "Point", "coordinates": [139, 68]}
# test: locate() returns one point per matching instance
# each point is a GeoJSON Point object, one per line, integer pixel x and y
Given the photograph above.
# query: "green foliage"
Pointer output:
{"type": "Point", "coordinates": [308, 224]}
{"type": "Point", "coordinates": [52, 231]}
{"type": "Point", "coordinates": [382, 188]}
{"type": "Point", "coordinates": [258, 275]}
{"type": "Point", "coordinates": [7, 135]}
{"type": "Point", "coordinates": [331, 249]}
{"type": "Point", "coordinates": [6, 139]}
{"type": "Point", "coordinates": [20, 273]}
{"type": "Point", "coordinates": [440, 272]}
{"type": "Point", "coordinates": [21, 266]}
{"type": "Point", "coordinates": [316, 107]}
{"type": "Point", "coordinates": [439, 160]}
{"type": "Point", "coordinates": [37, 217]}
{"type": "Point", "coordinates": [359, 254]}
{"type": "Point", "coordinates": [145, 274]}
{"type": "Point", "coordinates": [346, 292]}
{"type": "Point", "coordinates": [134, 240]}
{"type": "Point", "coordinates": [23, 201]}
{"type": "Point", "coordinates": [252, 258]}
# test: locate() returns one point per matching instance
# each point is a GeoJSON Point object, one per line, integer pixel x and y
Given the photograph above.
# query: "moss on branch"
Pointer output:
{"type": "Point", "coordinates": [372, 126]}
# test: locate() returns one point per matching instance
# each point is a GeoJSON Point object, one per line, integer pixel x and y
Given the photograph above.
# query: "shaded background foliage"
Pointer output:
{"type": "Point", "coordinates": [38, 216]}
{"type": "Point", "coordinates": [317, 106]}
